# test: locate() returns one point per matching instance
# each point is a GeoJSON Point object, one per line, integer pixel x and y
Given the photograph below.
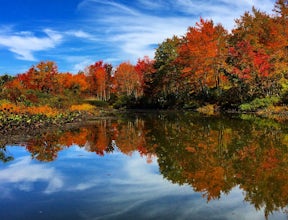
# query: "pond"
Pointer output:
{"type": "Point", "coordinates": [146, 165]}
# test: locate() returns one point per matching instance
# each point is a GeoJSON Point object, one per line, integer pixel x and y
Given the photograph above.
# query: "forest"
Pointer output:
{"type": "Point", "coordinates": [207, 69]}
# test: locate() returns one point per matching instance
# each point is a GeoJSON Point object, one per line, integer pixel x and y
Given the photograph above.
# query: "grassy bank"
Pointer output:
{"type": "Point", "coordinates": [18, 117]}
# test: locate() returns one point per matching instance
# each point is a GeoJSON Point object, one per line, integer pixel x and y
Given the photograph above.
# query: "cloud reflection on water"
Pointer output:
{"type": "Point", "coordinates": [23, 173]}
{"type": "Point", "coordinates": [118, 186]}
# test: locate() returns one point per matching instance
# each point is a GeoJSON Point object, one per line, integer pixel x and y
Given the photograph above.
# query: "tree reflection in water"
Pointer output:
{"type": "Point", "coordinates": [212, 155]}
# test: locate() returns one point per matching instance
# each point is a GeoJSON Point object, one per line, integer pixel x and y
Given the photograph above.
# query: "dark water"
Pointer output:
{"type": "Point", "coordinates": [149, 166]}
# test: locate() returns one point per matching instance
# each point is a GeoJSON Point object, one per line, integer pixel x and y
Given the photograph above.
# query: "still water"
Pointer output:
{"type": "Point", "coordinates": [149, 166]}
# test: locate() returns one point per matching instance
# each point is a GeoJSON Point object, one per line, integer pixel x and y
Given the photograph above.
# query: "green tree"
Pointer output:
{"type": "Point", "coordinates": [167, 83]}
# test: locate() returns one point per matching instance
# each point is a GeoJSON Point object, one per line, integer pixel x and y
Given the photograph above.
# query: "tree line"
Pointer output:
{"type": "Point", "coordinates": [208, 65]}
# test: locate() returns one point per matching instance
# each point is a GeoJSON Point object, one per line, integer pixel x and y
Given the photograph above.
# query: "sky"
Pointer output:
{"type": "Point", "coordinates": [77, 33]}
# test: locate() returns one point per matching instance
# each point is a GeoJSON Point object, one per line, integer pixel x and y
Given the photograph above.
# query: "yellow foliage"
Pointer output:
{"type": "Point", "coordinates": [207, 109]}
{"type": "Point", "coordinates": [42, 110]}
{"type": "Point", "coordinates": [83, 107]}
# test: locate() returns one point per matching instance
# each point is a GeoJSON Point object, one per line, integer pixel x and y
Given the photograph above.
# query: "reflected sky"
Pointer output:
{"type": "Point", "coordinates": [84, 185]}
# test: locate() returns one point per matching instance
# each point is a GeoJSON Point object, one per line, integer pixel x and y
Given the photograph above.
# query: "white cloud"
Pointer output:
{"type": "Point", "coordinates": [80, 34]}
{"type": "Point", "coordinates": [25, 174]}
{"type": "Point", "coordinates": [78, 63]}
{"type": "Point", "coordinates": [131, 187]}
{"type": "Point", "coordinates": [110, 6]}
{"type": "Point", "coordinates": [81, 65]}
{"type": "Point", "coordinates": [24, 43]}
{"type": "Point", "coordinates": [152, 4]}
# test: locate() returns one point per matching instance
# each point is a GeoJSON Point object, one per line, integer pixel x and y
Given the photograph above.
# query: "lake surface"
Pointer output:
{"type": "Point", "coordinates": [161, 165]}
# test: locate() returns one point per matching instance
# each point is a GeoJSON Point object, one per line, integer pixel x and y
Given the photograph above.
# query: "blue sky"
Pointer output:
{"type": "Point", "coordinates": [76, 33]}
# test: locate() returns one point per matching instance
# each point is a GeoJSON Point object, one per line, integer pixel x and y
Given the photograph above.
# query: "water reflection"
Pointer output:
{"type": "Point", "coordinates": [212, 155]}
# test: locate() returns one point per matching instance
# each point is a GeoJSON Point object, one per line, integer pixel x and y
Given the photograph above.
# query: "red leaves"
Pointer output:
{"type": "Point", "coordinates": [99, 79]}
{"type": "Point", "coordinates": [248, 62]}
{"type": "Point", "coordinates": [145, 69]}
{"type": "Point", "coordinates": [261, 63]}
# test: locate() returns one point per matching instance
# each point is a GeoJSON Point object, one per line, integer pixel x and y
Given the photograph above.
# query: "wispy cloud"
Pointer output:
{"type": "Point", "coordinates": [80, 34]}
{"type": "Point", "coordinates": [26, 173]}
{"type": "Point", "coordinates": [80, 65]}
{"type": "Point", "coordinates": [109, 6]}
{"type": "Point", "coordinates": [132, 33]}
{"type": "Point", "coordinates": [153, 4]}
{"type": "Point", "coordinates": [133, 30]}
{"type": "Point", "coordinates": [24, 44]}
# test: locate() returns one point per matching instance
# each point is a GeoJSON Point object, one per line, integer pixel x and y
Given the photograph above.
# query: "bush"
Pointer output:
{"type": "Point", "coordinates": [97, 103]}
{"type": "Point", "coordinates": [121, 102]}
{"type": "Point", "coordinates": [191, 105]}
{"type": "Point", "coordinates": [207, 109]}
{"type": "Point", "coordinates": [259, 104]}
{"type": "Point", "coordinates": [83, 107]}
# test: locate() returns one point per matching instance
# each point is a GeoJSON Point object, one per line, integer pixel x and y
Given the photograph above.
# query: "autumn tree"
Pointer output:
{"type": "Point", "coordinates": [13, 90]}
{"type": "Point", "coordinates": [254, 55]}
{"type": "Point", "coordinates": [98, 76]}
{"type": "Point", "coordinates": [251, 69]}
{"type": "Point", "coordinates": [127, 81]}
{"type": "Point", "coordinates": [202, 55]}
{"type": "Point", "coordinates": [279, 45]}
{"type": "Point", "coordinates": [41, 77]}
{"type": "Point", "coordinates": [254, 27]}
{"type": "Point", "coordinates": [75, 83]}
{"type": "Point", "coordinates": [145, 70]}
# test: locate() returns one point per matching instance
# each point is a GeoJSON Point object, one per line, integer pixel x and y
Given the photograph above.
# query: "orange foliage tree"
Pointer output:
{"type": "Point", "coordinates": [127, 81]}
{"type": "Point", "coordinates": [41, 78]}
{"type": "Point", "coordinates": [99, 75]}
{"type": "Point", "coordinates": [76, 83]}
{"type": "Point", "coordinates": [202, 54]}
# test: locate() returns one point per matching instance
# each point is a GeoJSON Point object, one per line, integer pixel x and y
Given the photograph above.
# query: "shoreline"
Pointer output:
{"type": "Point", "coordinates": [76, 119]}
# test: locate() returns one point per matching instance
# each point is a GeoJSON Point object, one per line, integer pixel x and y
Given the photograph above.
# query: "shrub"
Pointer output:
{"type": "Point", "coordinates": [42, 110]}
{"type": "Point", "coordinates": [97, 103]}
{"type": "Point", "coordinates": [82, 107]}
{"type": "Point", "coordinates": [191, 105]}
{"type": "Point", "coordinates": [9, 108]}
{"type": "Point", "coordinates": [122, 102]}
{"type": "Point", "coordinates": [207, 109]}
{"type": "Point", "coordinates": [259, 103]}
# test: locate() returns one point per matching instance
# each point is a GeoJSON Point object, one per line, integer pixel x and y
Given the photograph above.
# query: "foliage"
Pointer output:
{"type": "Point", "coordinates": [259, 103]}
{"type": "Point", "coordinates": [123, 101]}
{"type": "Point", "coordinates": [207, 109]}
{"type": "Point", "coordinates": [127, 81]}
{"type": "Point", "coordinates": [82, 107]}
{"type": "Point", "coordinates": [99, 77]}
{"type": "Point", "coordinates": [96, 102]}
{"type": "Point", "coordinates": [203, 44]}
{"type": "Point", "coordinates": [166, 81]}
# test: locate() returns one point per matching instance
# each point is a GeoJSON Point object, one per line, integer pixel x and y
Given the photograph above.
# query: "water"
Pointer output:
{"type": "Point", "coordinates": [148, 166]}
